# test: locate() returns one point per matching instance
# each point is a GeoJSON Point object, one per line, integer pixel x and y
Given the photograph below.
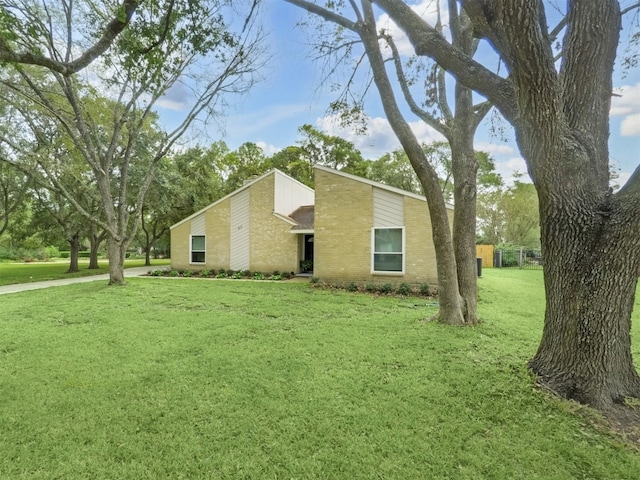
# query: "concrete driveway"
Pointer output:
{"type": "Point", "coordinates": [23, 287]}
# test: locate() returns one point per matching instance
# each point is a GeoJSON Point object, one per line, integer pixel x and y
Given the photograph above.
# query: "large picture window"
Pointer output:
{"type": "Point", "coordinates": [197, 248]}
{"type": "Point", "coordinates": [388, 250]}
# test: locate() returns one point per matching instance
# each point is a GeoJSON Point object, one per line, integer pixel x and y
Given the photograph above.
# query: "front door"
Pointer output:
{"type": "Point", "coordinates": [307, 263]}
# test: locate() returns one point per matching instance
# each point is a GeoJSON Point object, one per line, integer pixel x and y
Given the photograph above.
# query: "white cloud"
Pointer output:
{"type": "Point", "coordinates": [510, 167]}
{"type": "Point", "coordinates": [630, 126]}
{"type": "Point", "coordinates": [379, 138]}
{"type": "Point", "coordinates": [258, 121]}
{"type": "Point", "coordinates": [495, 149]}
{"type": "Point", "coordinates": [427, 9]}
{"type": "Point", "coordinates": [628, 101]}
{"type": "Point", "coordinates": [267, 148]}
{"type": "Point", "coordinates": [622, 179]}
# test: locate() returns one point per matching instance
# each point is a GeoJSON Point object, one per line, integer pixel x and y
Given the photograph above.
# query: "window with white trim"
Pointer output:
{"type": "Point", "coordinates": [197, 249]}
{"type": "Point", "coordinates": [388, 250]}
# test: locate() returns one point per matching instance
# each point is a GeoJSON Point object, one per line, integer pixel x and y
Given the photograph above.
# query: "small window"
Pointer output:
{"type": "Point", "coordinates": [197, 248]}
{"type": "Point", "coordinates": [388, 250]}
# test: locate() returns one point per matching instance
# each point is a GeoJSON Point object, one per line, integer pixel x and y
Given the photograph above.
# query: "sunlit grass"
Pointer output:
{"type": "Point", "coordinates": [193, 378]}
{"type": "Point", "coordinates": [12, 273]}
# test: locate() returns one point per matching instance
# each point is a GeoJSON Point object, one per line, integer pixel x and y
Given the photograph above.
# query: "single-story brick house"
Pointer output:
{"type": "Point", "coordinates": [352, 229]}
{"type": "Point", "coordinates": [249, 229]}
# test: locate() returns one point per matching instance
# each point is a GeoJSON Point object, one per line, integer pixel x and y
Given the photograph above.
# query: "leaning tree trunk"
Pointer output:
{"type": "Point", "coordinates": [449, 299]}
{"type": "Point", "coordinates": [95, 240]}
{"type": "Point", "coordinates": [74, 250]}
{"type": "Point", "coordinates": [117, 249]}
{"type": "Point", "coordinates": [591, 274]}
{"type": "Point", "coordinates": [464, 167]}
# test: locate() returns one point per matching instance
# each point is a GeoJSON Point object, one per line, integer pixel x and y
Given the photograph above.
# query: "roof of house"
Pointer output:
{"type": "Point", "coordinates": [303, 216]}
{"type": "Point", "coordinates": [375, 184]}
{"type": "Point", "coordinates": [247, 184]}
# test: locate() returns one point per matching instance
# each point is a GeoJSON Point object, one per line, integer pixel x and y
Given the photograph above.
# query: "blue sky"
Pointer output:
{"type": "Point", "coordinates": [291, 95]}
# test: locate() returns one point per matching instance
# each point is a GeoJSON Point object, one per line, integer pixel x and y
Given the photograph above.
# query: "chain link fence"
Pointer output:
{"type": "Point", "coordinates": [523, 259]}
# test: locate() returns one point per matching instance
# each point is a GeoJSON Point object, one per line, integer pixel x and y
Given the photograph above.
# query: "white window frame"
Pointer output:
{"type": "Point", "coordinates": [373, 252]}
{"type": "Point", "coordinates": [191, 251]}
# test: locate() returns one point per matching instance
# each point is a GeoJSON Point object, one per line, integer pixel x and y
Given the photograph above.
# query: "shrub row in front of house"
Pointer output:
{"type": "Point", "coordinates": [402, 289]}
{"type": "Point", "coordinates": [222, 273]}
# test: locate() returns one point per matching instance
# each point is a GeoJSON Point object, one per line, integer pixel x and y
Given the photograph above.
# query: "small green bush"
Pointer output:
{"type": "Point", "coordinates": [204, 273]}
{"type": "Point", "coordinates": [52, 251]}
{"type": "Point", "coordinates": [258, 276]}
{"type": "Point", "coordinates": [370, 288]}
{"type": "Point", "coordinates": [173, 273]}
{"type": "Point", "coordinates": [187, 273]}
{"type": "Point", "coordinates": [236, 275]}
{"type": "Point", "coordinates": [221, 274]}
{"type": "Point", "coordinates": [156, 273]}
{"type": "Point", "coordinates": [424, 289]}
{"type": "Point", "coordinates": [405, 289]}
{"type": "Point", "coordinates": [352, 287]}
{"type": "Point", "coordinates": [275, 277]}
{"type": "Point", "coordinates": [386, 288]}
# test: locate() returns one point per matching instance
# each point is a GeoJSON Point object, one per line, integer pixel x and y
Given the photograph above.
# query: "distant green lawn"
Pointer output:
{"type": "Point", "coordinates": [193, 378]}
{"type": "Point", "coordinates": [11, 273]}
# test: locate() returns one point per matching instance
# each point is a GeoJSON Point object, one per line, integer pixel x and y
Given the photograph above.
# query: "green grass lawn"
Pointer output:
{"type": "Point", "coordinates": [193, 378]}
{"type": "Point", "coordinates": [11, 273]}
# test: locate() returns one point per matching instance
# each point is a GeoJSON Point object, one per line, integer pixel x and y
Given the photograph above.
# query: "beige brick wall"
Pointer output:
{"type": "Point", "coordinates": [272, 246]}
{"type": "Point", "coordinates": [180, 246]}
{"type": "Point", "coordinates": [420, 254]}
{"type": "Point", "coordinates": [218, 239]}
{"type": "Point", "coordinates": [343, 223]}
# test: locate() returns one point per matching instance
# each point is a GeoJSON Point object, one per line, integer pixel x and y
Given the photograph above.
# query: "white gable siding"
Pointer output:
{"type": "Point", "coordinates": [388, 209]}
{"type": "Point", "coordinates": [290, 194]}
{"type": "Point", "coordinates": [198, 225]}
{"type": "Point", "coordinates": [240, 233]}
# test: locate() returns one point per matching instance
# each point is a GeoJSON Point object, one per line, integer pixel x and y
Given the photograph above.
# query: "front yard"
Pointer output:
{"type": "Point", "coordinates": [222, 379]}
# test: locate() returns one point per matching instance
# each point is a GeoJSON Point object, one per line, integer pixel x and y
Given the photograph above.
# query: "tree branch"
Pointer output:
{"type": "Point", "coordinates": [428, 42]}
{"type": "Point", "coordinates": [109, 34]}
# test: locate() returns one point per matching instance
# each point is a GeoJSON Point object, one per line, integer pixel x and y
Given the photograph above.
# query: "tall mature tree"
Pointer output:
{"type": "Point", "coordinates": [331, 151]}
{"type": "Point", "coordinates": [294, 162]}
{"type": "Point", "coordinates": [559, 108]}
{"type": "Point", "coordinates": [455, 254]}
{"type": "Point", "coordinates": [166, 43]}
{"type": "Point", "coordinates": [14, 190]}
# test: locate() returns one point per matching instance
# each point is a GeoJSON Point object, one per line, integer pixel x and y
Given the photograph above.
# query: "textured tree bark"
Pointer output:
{"type": "Point", "coordinates": [591, 273]}
{"type": "Point", "coordinates": [451, 303]}
{"type": "Point", "coordinates": [74, 249]}
{"type": "Point", "coordinates": [589, 235]}
{"type": "Point", "coordinates": [117, 249]}
{"type": "Point", "coordinates": [465, 166]}
{"type": "Point", "coordinates": [95, 240]}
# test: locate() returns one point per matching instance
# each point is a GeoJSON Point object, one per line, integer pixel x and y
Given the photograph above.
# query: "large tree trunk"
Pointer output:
{"type": "Point", "coordinates": [74, 250]}
{"type": "Point", "coordinates": [95, 240]}
{"type": "Point", "coordinates": [591, 273]}
{"type": "Point", "coordinates": [464, 166]}
{"type": "Point", "coordinates": [117, 250]}
{"type": "Point", "coordinates": [449, 299]}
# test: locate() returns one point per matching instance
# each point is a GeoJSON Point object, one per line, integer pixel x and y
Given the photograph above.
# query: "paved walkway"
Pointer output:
{"type": "Point", "coordinates": [23, 287]}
